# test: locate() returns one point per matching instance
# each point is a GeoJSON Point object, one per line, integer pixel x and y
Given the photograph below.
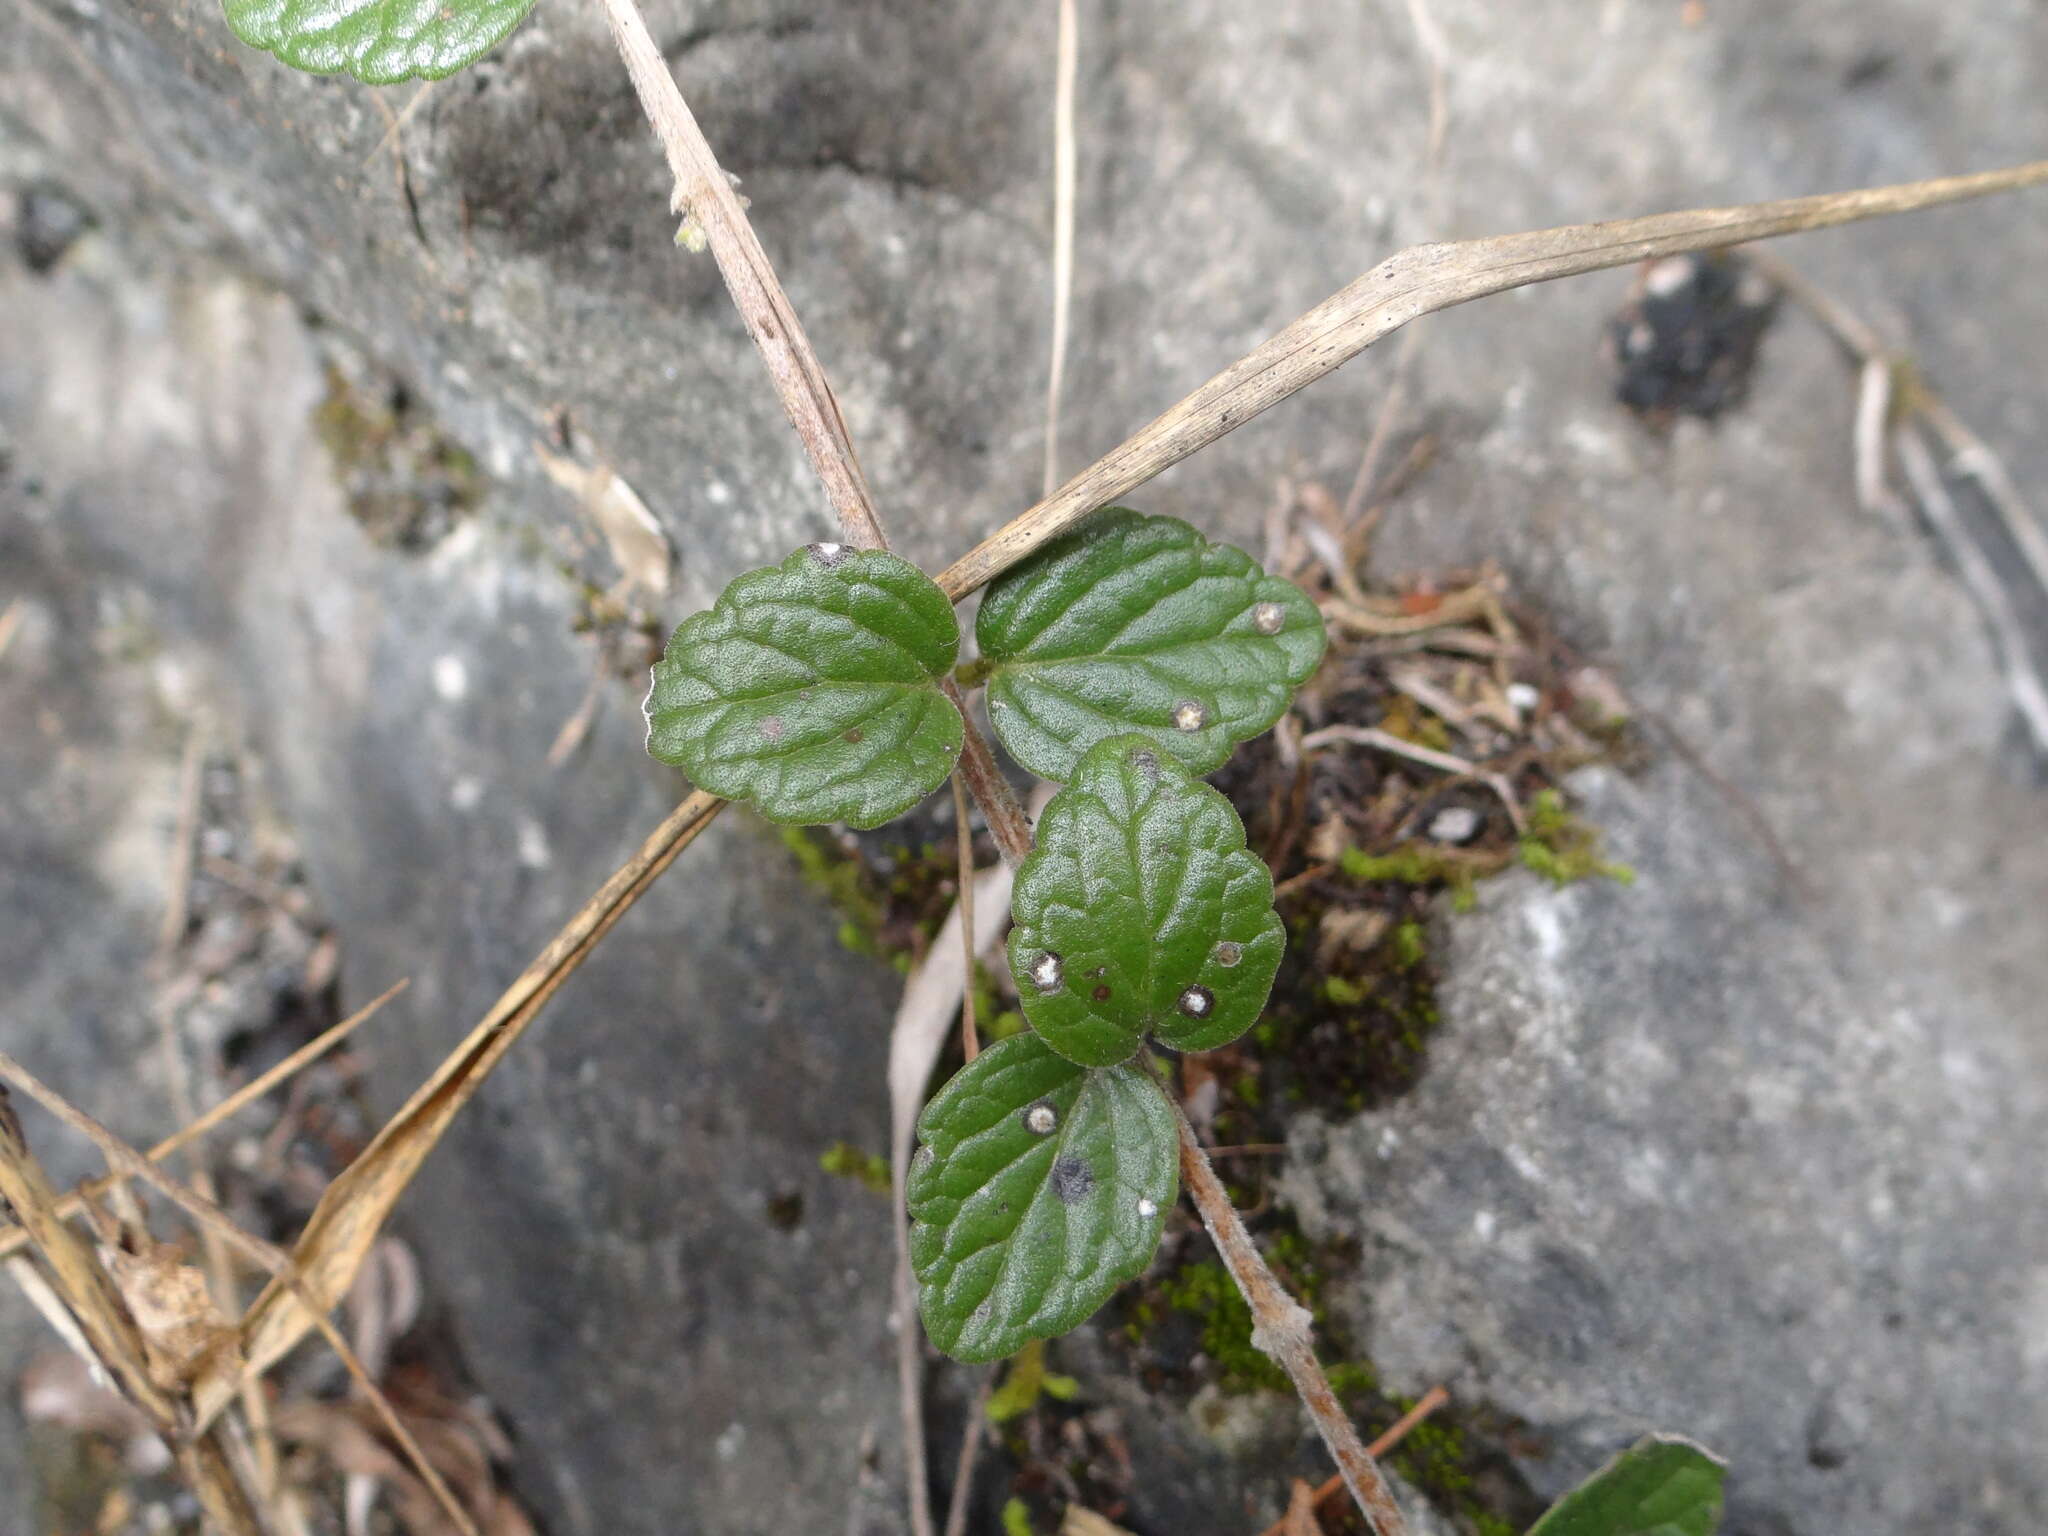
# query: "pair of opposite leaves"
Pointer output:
{"type": "Point", "coordinates": [1124, 659]}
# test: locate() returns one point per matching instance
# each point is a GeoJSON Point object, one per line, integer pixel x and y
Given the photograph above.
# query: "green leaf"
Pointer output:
{"type": "Point", "coordinates": [1660, 1486]}
{"type": "Point", "coordinates": [1137, 623]}
{"type": "Point", "coordinates": [1140, 910]}
{"type": "Point", "coordinates": [380, 42]}
{"type": "Point", "coordinates": [1040, 1188]}
{"type": "Point", "coordinates": [809, 689]}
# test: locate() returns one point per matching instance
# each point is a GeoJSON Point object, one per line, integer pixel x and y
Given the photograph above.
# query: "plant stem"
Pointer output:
{"type": "Point", "coordinates": [1280, 1329]}
{"type": "Point", "coordinates": [1416, 282]}
{"type": "Point", "coordinates": [703, 189]}
{"type": "Point", "coordinates": [705, 193]}
{"type": "Point", "coordinates": [1007, 822]}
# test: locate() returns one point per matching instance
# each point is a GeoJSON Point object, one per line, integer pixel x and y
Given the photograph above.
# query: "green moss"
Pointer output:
{"type": "Point", "coordinates": [1410, 945]}
{"type": "Point", "coordinates": [1016, 1518]}
{"type": "Point", "coordinates": [1563, 848]}
{"type": "Point", "coordinates": [405, 480]}
{"type": "Point", "coordinates": [1409, 864]}
{"type": "Point", "coordinates": [1003, 1025]}
{"type": "Point", "coordinates": [841, 880]}
{"type": "Point", "coordinates": [849, 1162]}
{"type": "Point", "coordinates": [1206, 1291]}
{"type": "Point", "coordinates": [1344, 992]}
{"type": "Point", "coordinates": [1025, 1382]}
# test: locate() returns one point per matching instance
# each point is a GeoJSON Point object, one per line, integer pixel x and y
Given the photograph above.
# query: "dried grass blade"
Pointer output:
{"type": "Point", "coordinates": [705, 193]}
{"type": "Point", "coordinates": [77, 1277]}
{"type": "Point", "coordinates": [353, 1210]}
{"type": "Point", "coordinates": [1420, 281]}
{"type": "Point", "coordinates": [72, 1204]}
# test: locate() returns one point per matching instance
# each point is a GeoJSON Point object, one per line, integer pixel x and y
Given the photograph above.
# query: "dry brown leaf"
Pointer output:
{"type": "Point", "coordinates": [351, 1439]}
{"type": "Point", "coordinates": [103, 1318]}
{"type": "Point", "coordinates": [75, 1274]}
{"type": "Point", "coordinates": [632, 533]}
{"type": "Point", "coordinates": [174, 1307]}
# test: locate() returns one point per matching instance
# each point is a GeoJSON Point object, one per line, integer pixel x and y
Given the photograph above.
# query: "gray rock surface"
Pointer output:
{"type": "Point", "coordinates": [1720, 1138]}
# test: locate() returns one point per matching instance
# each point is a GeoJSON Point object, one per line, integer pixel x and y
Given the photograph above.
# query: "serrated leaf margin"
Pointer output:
{"type": "Point", "coordinates": [1045, 917]}
{"type": "Point", "coordinates": [1005, 1314]}
{"type": "Point", "coordinates": [433, 38]}
{"type": "Point", "coordinates": [818, 582]}
{"type": "Point", "coordinates": [1234, 706]}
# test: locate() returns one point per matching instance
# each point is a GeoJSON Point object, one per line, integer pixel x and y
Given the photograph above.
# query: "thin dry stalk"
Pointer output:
{"type": "Point", "coordinates": [924, 1017]}
{"type": "Point", "coordinates": [1428, 757]}
{"type": "Point", "coordinates": [1280, 1330]}
{"type": "Point", "coordinates": [1332, 1488]}
{"type": "Point", "coordinates": [2023, 683]}
{"type": "Point", "coordinates": [970, 1039]}
{"type": "Point", "coordinates": [74, 1204]}
{"type": "Point", "coordinates": [963, 1469]}
{"type": "Point", "coordinates": [1873, 431]}
{"type": "Point", "coordinates": [705, 194]}
{"type": "Point", "coordinates": [1892, 424]}
{"type": "Point", "coordinates": [1417, 282]}
{"type": "Point", "coordinates": [353, 1210]}
{"type": "Point", "coordinates": [78, 1277]}
{"type": "Point", "coordinates": [1063, 179]}
{"type": "Point", "coordinates": [212, 1220]}
{"type": "Point", "coordinates": [1000, 807]}
{"type": "Point", "coordinates": [1971, 456]}
{"type": "Point", "coordinates": [109, 1329]}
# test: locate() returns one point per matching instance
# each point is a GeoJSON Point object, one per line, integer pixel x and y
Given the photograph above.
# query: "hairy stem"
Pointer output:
{"type": "Point", "coordinates": [705, 194]}
{"type": "Point", "coordinates": [1280, 1329]}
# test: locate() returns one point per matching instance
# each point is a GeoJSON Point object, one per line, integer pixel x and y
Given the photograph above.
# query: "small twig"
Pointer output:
{"type": "Point", "coordinates": [2023, 683]}
{"type": "Point", "coordinates": [10, 624]}
{"type": "Point", "coordinates": [705, 194]}
{"type": "Point", "coordinates": [1460, 607]}
{"type": "Point", "coordinates": [1280, 1330]}
{"type": "Point", "coordinates": [963, 1469]}
{"type": "Point", "coordinates": [1420, 281]}
{"type": "Point", "coordinates": [73, 1204]}
{"type": "Point", "coordinates": [1007, 823]}
{"type": "Point", "coordinates": [395, 122]}
{"type": "Point", "coordinates": [1971, 456]}
{"type": "Point", "coordinates": [251, 884]}
{"type": "Point", "coordinates": [1300, 1519]}
{"type": "Point", "coordinates": [970, 1041]}
{"type": "Point", "coordinates": [1333, 1488]}
{"type": "Point", "coordinates": [1872, 432]}
{"type": "Point", "coordinates": [1428, 757]}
